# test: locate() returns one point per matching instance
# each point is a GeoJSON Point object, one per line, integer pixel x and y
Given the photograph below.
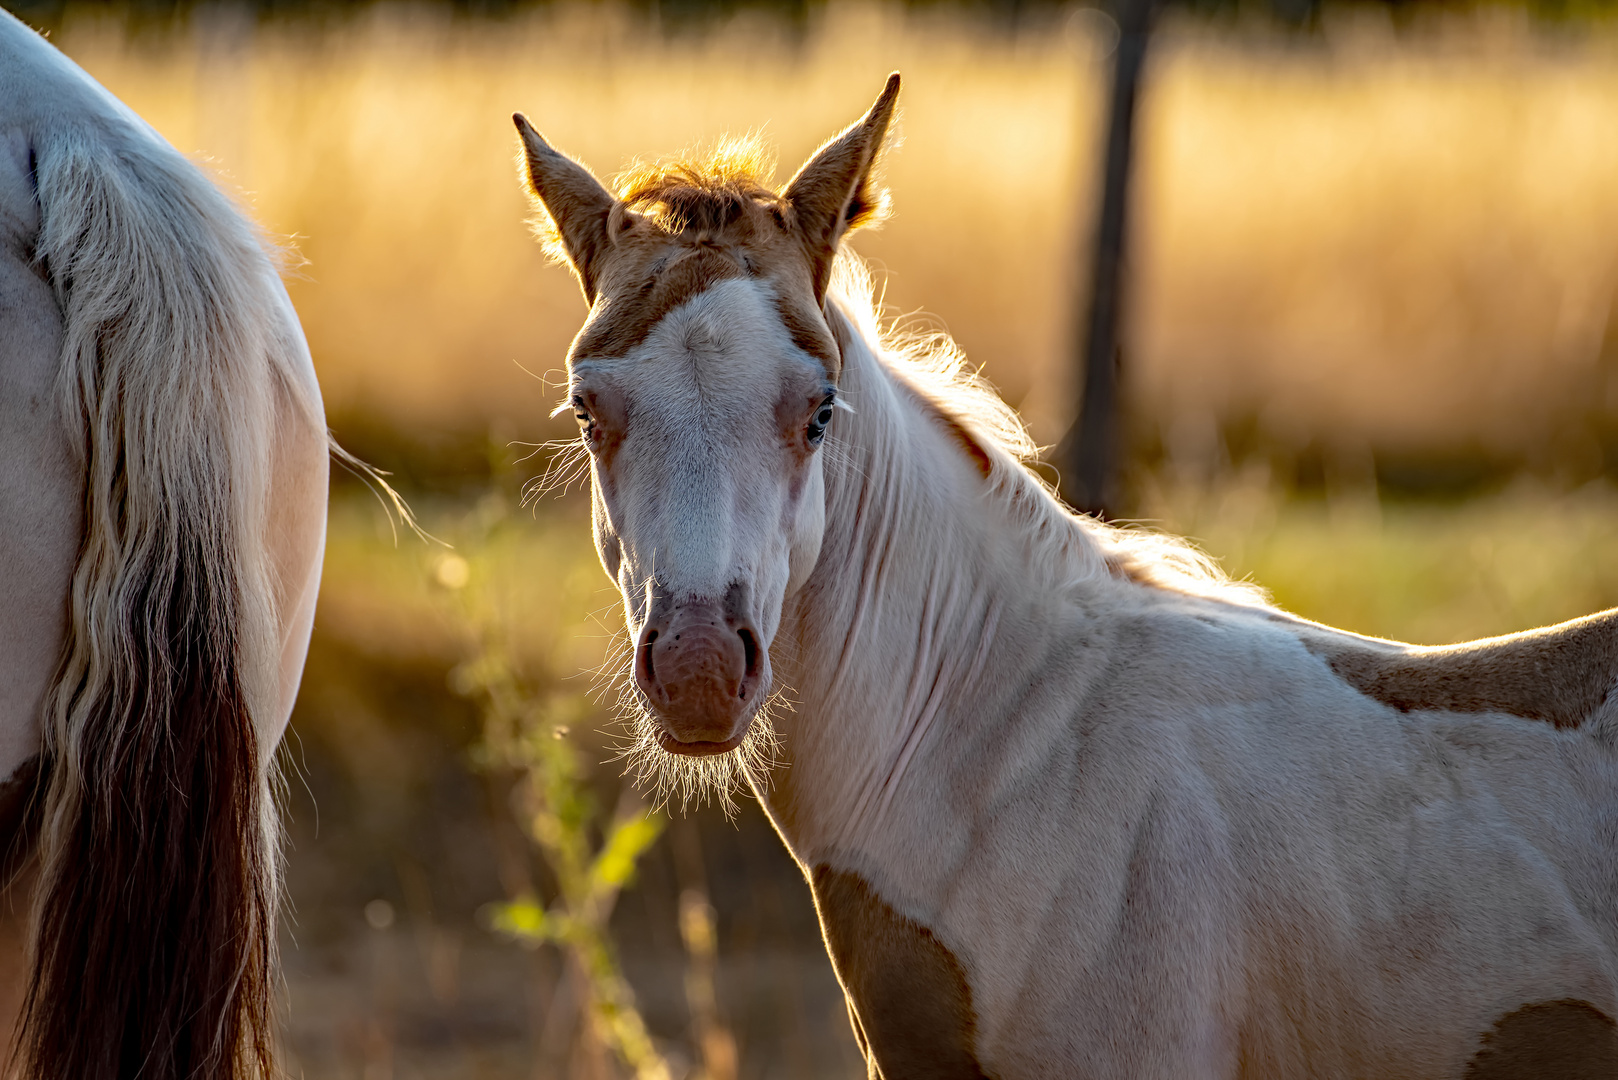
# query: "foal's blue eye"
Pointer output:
{"type": "Point", "coordinates": [817, 426]}
{"type": "Point", "coordinates": [582, 415]}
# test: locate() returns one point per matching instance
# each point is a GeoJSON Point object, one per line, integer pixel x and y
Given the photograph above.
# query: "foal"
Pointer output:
{"type": "Point", "coordinates": [1070, 802]}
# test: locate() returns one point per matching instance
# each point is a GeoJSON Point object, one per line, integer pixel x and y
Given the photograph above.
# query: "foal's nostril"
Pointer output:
{"type": "Point", "coordinates": [749, 661]}
{"type": "Point", "coordinates": [645, 672]}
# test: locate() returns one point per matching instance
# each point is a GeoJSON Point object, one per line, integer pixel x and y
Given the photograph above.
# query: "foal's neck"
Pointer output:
{"type": "Point", "coordinates": [901, 646]}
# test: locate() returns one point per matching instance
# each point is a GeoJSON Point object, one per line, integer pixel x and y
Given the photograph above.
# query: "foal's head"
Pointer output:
{"type": "Point", "coordinates": [703, 383]}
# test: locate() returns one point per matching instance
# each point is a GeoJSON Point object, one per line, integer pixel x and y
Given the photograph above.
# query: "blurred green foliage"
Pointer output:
{"type": "Point", "coordinates": [591, 854]}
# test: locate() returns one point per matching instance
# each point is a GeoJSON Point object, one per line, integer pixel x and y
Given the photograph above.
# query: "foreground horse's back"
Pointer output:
{"type": "Point", "coordinates": [162, 497]}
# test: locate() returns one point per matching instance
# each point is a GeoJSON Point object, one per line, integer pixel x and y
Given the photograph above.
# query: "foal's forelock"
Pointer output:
{"type": "Point", "coordinates": [654, 276]}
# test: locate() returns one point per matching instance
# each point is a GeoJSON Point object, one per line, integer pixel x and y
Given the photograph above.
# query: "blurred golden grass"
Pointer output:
{"type": "Point", "coordinates": [1403, 240]}
{"type": "Point", "coordinates": [1429, 573]}
{"type": "Point", "coordinates": [1407, 245]}
{"type": "Point", "coordinates": [1366, 239]}
{"type": "Point", "coordinates": [384, 145]}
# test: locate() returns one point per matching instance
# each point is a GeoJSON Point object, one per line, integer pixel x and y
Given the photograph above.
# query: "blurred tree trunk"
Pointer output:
{"type": "Point", "coordinates": [1088, 455]}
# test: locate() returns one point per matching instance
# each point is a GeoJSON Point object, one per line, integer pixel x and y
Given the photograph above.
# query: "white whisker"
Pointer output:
{"type": "Point", "coordinates": [569, 464]}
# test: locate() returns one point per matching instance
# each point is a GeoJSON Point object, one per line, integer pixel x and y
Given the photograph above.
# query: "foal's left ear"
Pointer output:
{"type": "Point", "coordinates": [835, 193]}
{"type": "Point", "coordinates": [579, 206]}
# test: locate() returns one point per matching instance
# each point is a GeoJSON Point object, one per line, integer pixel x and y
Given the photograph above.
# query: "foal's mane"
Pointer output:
{"type": "Point", "coordinates": [1068, 548]}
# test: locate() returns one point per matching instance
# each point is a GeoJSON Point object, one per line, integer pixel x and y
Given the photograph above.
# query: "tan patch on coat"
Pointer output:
{"type": "Point", "coordinates": [1548, 1040]}
{"type": "Point", "coordinates": [808, 331]}
{"type": "Point", "coordinates": [675, 241]}
{"type": "Point", "coordinates": [1558, 674]}
{"type": "Point", "coordinates": [908, 997]}
{"type": "Point", "coordinates": [965, 439]}
{"type": "Point", "coordinates": [626, 313]}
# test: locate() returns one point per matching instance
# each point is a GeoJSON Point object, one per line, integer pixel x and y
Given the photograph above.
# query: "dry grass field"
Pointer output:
{"type": "Point", "coordinates": [1365, 255]}
{"type": "Point", "coordinates": [1366, 240]}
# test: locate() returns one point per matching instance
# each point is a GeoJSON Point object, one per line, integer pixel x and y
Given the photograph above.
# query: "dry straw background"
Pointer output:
{"type": "Point", "coordinates": [1367, 245]}
{"type": "Point", "coordinates": [1402, 241]}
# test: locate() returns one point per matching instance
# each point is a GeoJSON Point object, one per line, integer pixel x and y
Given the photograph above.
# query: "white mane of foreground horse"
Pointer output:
{"type": "Point", "coordinates": [1071, 804]}
{"type": "Point", "coordinates": [162, 513]}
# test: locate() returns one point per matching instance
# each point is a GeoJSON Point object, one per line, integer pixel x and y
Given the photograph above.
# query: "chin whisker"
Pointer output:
{"type": "Point", "coordinates": [693, 781]}
{"type": "Point", "coordinates": [670, 779]}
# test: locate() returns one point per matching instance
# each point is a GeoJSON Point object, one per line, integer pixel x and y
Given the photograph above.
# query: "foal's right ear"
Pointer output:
{"type": "Point", "coordinates": [835, 191]}
{"type": "Point", "coordinates": [580, 208]}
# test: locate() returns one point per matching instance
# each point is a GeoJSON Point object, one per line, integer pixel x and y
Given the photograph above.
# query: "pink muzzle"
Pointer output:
{"type": "Point", "coordinates": [701, 669]}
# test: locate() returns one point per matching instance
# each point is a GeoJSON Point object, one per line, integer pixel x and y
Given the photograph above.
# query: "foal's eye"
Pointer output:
{"type": "Point", "coordinates": [582, 415]}
{"type": "Point", "coordinates": [817, 425]}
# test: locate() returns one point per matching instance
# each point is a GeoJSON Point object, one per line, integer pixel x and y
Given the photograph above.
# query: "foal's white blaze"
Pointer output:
{"type": "Point", "coordinates": [710, 500]}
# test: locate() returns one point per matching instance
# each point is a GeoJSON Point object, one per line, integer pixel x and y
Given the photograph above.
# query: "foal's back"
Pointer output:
{"type": "Point", "coordinates": [1416, 846]}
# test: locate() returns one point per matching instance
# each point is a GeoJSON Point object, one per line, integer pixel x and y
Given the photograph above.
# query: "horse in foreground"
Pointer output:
{"type": "Point", "coordinates": [163, 462]}
{"type": "Point", "coordinates": [1070, 802]}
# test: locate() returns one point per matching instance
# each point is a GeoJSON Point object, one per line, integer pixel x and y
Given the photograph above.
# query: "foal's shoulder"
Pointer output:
{"type": "Point", "coordinates": [1557, 674]}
